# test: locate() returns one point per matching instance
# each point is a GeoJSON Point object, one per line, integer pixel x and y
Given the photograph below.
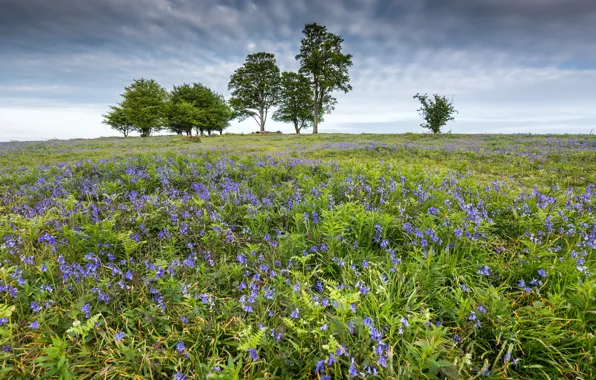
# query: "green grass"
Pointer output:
{"type": "Point", "coordinates": [389, 256]}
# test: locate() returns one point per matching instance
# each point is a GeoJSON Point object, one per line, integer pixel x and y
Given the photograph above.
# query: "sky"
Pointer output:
{"type": "Point", "coordinates": [511, 66]}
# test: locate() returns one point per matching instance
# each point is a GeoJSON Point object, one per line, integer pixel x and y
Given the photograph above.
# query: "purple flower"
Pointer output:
{"type": "Point", "coordinates": [353, 372]}
{"type": "Point", "coordinates": [331, 360]}
{"type": "Point", "coordinates": [34, 325]}
{"type": "Point", "coordinates": [179, 376]}
{"type": "Point", "coordinates": [320, 366]}
{"type": "Point", "coordinates": [253, 354]}
{"type": "Point", "coordinates": [86, 309]}
{"type": "Point", "coordinates": [484, 270]}
{"type": "Point", "coordinates": [119, 335]}
{"type": "Point", "coordinates": [180, 346]}
{"type": "Point", "coordinates": [542, 272]}
{"type": "Point", "coordinates": [295, 314]}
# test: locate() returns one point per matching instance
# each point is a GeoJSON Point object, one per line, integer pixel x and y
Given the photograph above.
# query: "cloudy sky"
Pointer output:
{"type": "Point", "coordinates": [511, 65]}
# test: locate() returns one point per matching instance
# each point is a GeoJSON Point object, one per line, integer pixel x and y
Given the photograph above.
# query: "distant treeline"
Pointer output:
{"type": "Point", "coordinates": [302, 98]}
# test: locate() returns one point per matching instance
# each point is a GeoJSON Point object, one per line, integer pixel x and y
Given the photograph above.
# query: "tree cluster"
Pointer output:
{"type": "Point", "coordinates": [147, 107]}
{"type": "Point", "coordinates": [302, 98]}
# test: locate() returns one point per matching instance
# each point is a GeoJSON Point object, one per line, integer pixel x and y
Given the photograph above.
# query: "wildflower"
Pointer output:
{"type": "Point", "coordinates": [119, 335]}
{"type": "Point", "coordinates": [34, 325]}
{"type": "Point", "coordinates": [353, 372]}
{"type": "Point", "coordinates": [86, 309]}
{"type": "Point", "coordinates": [295, 314]}
{"type": "Point", "coordinates": [35, 307]}
{"type": "Point", "coordinates": [481, 309]}
{"type": "Point", "coordinates": [184, 319]}
{"type": "Point", "coordinates": [179, 376]}
{"type": "Point", "coordinates": [3, 321]}
{"type": "Point", "coordinates": [404, 321]}
{"type": "Point", "coordinates": [320, 367]}
{"type": "Point", "coordinates": [542, 272]}
{"type": "Point", "coordinates": [484, 270]}
{"type": "Point", "coordinates": [180, 346]}
{"type": "Point", "coordinates": [331, 360]}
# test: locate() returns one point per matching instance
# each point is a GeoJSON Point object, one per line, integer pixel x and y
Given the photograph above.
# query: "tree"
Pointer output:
{"type": "Point", "coordinates": [255, 88]}
{"type": "Point", "coordinates": [296, 100]}
{"type": "Point", "coordinates": [183, 117]}
{"type": "Point", "coordinates": [323, 63]}
{"type": "Point", "coordinates": [197, 106]}
{"type": "Point", "coordinates": [116, 118]}
{"type": "Point", "coordinates": [144, 105]}
{"type": "Point", "coordinates": [435, 112]}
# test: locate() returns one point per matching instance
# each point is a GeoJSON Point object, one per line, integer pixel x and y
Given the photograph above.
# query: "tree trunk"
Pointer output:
{"type": "Point", "coordinates": [221, 132]}
{"type": "Point", "coordinates": [262, 122]}
{"type": "Point", "coordinates": [315, 127]}
{"type": "Point", "coordinates": [209, 132]}
{"type": "Point", "coordinates": [296, 127]}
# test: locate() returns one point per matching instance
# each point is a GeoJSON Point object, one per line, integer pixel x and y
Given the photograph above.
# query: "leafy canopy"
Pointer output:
{"type": "Point", "coordinates": [197, 106]}
{"type": "Point", "coordinates": [326, 67]}
{"type": "Point", "coordinates": [116, 118]}
{"type": "Point", "coordinates": [255, 87]}
{"type": "Point", "coordinates": [144, 105]}
{"type": "Point", "coordinates": [296, 101]}
{"type": "Point", "coordinates": [436, 111]}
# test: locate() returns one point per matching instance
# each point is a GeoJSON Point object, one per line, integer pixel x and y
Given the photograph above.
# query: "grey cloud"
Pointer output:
{"type": "Point", "coordinates": [518, 59]}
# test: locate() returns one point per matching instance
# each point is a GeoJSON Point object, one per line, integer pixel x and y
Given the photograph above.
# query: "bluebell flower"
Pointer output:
{"type": "Point", "coordinates": [320, 366]}
{"type": "Point", "coordinates": [119, 335]}
{"type": "Point", "coordinates": [542, 272]}
{"type": "Point", "coordinates": [295, 314]}
{"type": "Point", "coordinates": [86, 309]}
{"type": "Point", "coordinates": [34, 325]}
{"type": "Point", "coordinates": [353, 372]}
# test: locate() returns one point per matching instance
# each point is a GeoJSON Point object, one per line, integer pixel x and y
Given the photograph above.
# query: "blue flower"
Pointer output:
{"type": "Point", "coordinates": [34, 325]}
{"type": "Point", "coordinates": [295, 314]}
{"type": "Point", "coordinates": [86, 309]}
{"type": "Point", "coordinates": [353, 372]}
{"type": "Point", "coordinates": [253, 354]}
{"type": "Point", "coordinates": [179, 376]}
{"type": "Point", "coordinates": [119, 335]}
{"type": "Point", "coordinates": [542, 272]}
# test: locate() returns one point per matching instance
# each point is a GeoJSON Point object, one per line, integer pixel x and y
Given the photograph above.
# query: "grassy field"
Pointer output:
{"type": "Point", "coordinates": [321, 257]}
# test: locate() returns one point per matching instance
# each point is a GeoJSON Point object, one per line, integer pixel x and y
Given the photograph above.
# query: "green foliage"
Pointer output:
{"type": "Point", "coordinates": [255, 88]}
{"type": "Point", "coordinates": [195, 106]}
{"type": "Point", "coordinates": [116, 118]}
{"type": "Point", "coordinates": [144, 104]}
{"type": "Point", "coordinates": [435, 112]}
{"type": "Point", "coordinates": [326, 67]}
{"type": "Point", "coordinates": [296, 101]}
{"type": "Point", "coordinates": [290, 258]}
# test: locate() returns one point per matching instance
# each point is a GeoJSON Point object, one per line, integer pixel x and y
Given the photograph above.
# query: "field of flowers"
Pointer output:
{"type": "Point", "coordinates": [288, 257]}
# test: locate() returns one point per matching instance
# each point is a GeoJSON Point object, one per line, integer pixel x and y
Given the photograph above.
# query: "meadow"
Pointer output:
{"type": "Point", "coordinates": [287, 257]}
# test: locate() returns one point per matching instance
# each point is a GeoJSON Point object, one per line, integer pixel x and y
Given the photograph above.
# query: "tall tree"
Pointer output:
{"type": "Point", "coordinates": [116, 118]}
{"type": "Point", "coordinates": [183, 117]}
{"type": "Point", "coordinates": [296, 101]}
{"type": "Point", "coordinates": [255, 88]}
{"type": "Point", "coordinates": [145, 105]}
{"type": "Point", "coordinates": [435, 111]}
{"type": "Point", "coordinates": [197, 106]}
{"type": "Point", "coordinates": [324, 64]}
